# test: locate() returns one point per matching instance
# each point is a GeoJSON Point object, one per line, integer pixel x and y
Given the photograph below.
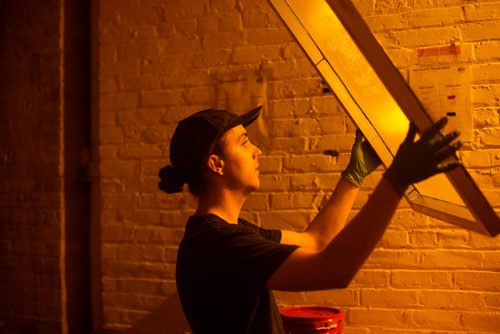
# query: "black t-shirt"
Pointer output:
{"type": "Point", "coordinates": [221, 272]}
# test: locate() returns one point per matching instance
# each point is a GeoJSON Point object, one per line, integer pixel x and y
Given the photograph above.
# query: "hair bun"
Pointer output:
{"type": "Point", "coordinates": [172, 180]}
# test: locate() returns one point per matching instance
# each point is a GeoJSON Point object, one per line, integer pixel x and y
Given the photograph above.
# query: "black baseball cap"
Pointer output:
{"type": "Point", "coordinates": [195, 134]}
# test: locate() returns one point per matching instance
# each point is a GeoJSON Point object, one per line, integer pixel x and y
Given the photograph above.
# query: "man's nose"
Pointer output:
{"type": "Point", "coordinates": [258, 152]}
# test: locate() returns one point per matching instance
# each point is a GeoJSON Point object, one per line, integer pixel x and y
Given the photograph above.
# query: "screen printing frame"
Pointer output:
{"type": "Point", "coordinates": [469, 208]}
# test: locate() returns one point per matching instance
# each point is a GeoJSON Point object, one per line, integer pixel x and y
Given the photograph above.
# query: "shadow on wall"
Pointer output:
{"type": "Point", "coordinates": [15, 326]}
{"type": "Point", "coordinates": [168, 318]}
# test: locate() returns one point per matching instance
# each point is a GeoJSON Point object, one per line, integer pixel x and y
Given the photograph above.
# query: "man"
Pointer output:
{"type": "Point", "coordinates": [227, 267]}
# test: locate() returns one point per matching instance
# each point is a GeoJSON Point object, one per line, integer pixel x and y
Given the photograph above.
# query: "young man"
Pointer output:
{"type": "Point", "coordinates": [227, 267]}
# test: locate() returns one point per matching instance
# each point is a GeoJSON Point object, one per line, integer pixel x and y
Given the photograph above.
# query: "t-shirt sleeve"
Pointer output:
{"type": "Point", "coordinates": [269, 234]}
{"type": "Point", "coordinates": [248, 256]}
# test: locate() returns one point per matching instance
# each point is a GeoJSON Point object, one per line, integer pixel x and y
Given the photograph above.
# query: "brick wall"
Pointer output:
{"type": "Point", "coordinates": [30, 179]}
{"type": "Point", "coordinates": [162, 60]}
{"type": "Point", "coordinates": [43, 128]}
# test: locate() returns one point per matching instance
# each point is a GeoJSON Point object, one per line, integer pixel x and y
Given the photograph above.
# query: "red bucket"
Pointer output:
{"type": "Point", "coordinates": [313, 320]}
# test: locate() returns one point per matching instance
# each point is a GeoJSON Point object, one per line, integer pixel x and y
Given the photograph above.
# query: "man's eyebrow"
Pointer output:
{"type": "Point", "coordinates": [243, 135]}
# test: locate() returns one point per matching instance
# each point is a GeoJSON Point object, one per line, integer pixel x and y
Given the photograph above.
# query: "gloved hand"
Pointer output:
{"type": "Point", "coordinates": [363, 161]}
{"type": "Point", "coordinates": [416, 161]}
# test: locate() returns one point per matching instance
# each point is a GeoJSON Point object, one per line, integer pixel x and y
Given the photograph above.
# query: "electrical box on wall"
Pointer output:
{"type": "Point", "coordinates": [381, 103]}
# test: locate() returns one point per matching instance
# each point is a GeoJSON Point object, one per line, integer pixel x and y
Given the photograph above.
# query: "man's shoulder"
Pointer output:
{"type": "Point", "coordinates": [206, 226]}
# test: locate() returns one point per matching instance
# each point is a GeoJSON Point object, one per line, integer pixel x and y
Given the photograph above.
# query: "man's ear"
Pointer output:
{"type": "Point", "coordinates": [215, 164]}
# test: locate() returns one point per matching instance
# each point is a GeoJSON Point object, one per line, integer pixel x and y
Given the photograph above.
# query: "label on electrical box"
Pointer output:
{"type": "Point", "coordinates": [444, 90]}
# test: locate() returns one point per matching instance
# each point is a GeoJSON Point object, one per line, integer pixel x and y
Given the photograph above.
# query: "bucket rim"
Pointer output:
{"type": "Point", "coordinates": [318, 312]}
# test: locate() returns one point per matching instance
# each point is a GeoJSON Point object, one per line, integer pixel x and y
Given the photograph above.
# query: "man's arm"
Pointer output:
{"type": "Point", "coordinates": [341, 259]}
{"type": "Point", "coordinates": [332, 218]}
{"type": "Point", "coordinates": [336, 265]}
{"type": "Point", "coordinates": [329, 221]}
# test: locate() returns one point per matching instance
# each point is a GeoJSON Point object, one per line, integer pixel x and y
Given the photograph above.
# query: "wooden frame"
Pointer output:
{"type": "Point", "coordinates": [379, 101]}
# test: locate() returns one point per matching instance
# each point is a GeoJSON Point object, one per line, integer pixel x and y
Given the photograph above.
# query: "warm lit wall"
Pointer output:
{"type": "Point", "coordinates": [161, 60]}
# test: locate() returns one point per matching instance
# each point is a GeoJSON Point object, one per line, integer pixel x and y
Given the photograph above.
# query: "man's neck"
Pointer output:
{"type": "Point", "coordinates": [224, 204]}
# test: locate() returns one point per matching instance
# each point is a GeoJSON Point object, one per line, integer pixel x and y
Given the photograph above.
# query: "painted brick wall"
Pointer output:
{"type": "Point", "coordinates": [162, 60]}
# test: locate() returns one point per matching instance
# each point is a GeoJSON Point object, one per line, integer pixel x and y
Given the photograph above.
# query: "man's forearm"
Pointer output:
{"type": "Point", "coordinates": [332, 218]}
{"type": "Point", "coordinates": [355, 242]}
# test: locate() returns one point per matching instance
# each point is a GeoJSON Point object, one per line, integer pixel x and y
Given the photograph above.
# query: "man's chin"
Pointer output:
{"type": "Point", "coordinates": [254, 187]}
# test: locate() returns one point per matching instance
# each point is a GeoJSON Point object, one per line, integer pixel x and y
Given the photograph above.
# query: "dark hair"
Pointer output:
{"type": "Point", "coordinates": [172, 179]}
{"type": "Point", "coordinates": [194, 138]}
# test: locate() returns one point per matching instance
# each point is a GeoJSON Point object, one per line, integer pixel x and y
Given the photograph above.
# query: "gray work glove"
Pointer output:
{"type": "Point", "coordinates": [363, 161]}
{"type": "Point", "coordinates": [416, 161]}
